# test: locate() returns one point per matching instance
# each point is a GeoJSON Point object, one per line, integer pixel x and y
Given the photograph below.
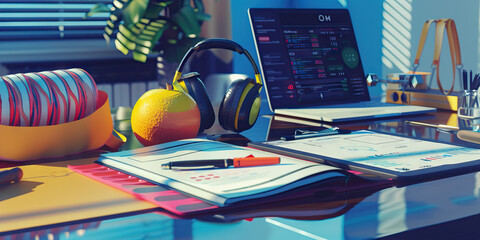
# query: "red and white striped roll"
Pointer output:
{"type": "Point", "coordinates": [46, 98]}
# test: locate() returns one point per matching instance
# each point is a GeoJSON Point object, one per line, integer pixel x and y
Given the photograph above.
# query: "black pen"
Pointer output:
{"type": "Point", "coordinates": [222, 163]}
{"type": "Point", "coordinates": [476, 83]}
{"type": "Point", "coordinates": [471, 81]}
{"type": "Point", "coordinates": [11, 175]}
{"type": "Point", "coordinates": [326, 132]}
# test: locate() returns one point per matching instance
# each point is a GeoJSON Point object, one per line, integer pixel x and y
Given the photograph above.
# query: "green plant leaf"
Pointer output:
{"type": "Point", "coordinates": [135, 11]}
{"type": "Point", "coordinates": [186, 20]}
{"type": "Point", "coordinates": [126, 37]}
{"type": "Point", "coordinates": [98, 8]}
{"type": "Point", "coordinates": [141, 38]}
{"type": "Point", "coordinates": [154, 38]}
{"type": "Point", "coordinates": [201, 16]}
{"type": "Point", "coordinates": [115, 19]}
{"type": "Point", "coordinates": [155, 7]}
{"type": "Point", "coordinates": [144, 26]}
{"type": "Point", "coordinates": [139, 57]}
{"type": "Point", "coordinates": [148, 38]}
{"type": "Point", "coordinates": [120, 47]}
{"type": "Point", "coordinates": [199, 5]}
{"type": "Point", "coordinates": [162, 3]}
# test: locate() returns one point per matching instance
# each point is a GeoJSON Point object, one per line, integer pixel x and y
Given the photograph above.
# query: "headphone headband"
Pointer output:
{"type": "Point", "coordinates": [215, 43]}
{"type": "Point", "coordinates": [218, 43]}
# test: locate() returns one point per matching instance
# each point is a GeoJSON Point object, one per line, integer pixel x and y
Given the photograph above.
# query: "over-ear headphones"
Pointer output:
{"type": "Point", "coordinates": [241, 104]}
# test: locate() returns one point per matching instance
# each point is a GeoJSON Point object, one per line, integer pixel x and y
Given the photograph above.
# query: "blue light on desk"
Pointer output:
{"type": "Point", "coordinates": [144, 226]}
{"type": "Point", "coordinates": [319, 230]}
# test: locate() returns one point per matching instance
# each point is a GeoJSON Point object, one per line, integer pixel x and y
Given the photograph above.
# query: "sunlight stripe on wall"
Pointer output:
{"type": "Point", "coordinates": [396, 35]}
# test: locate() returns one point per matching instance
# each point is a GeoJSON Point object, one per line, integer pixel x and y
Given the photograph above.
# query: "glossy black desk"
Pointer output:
{"type": "Point", "coordinates": [446, 208]}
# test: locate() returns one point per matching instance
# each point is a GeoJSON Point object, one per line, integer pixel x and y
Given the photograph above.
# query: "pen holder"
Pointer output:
{"type": "Point", "coordinates": [469, 111]}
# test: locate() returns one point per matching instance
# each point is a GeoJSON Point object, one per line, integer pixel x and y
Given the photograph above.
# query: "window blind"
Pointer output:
{"type": "Point", "coordinates": [50, 20]}
{"type": "Point", "coordinates": [42, 35]}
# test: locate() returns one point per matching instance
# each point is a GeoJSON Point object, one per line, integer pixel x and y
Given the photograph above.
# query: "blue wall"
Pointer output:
{"type": "Point", "coordinates": [367, 23]}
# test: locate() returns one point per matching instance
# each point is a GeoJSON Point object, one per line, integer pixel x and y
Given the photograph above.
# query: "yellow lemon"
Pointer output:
{"type": "Point", "coordinates": [162, 115]}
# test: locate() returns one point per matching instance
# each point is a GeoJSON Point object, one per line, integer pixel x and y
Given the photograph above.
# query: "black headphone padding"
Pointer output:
{"type": "Point", "coordinates": [196, 89]}
{"type": "Point", "coordinates": [229, 105]}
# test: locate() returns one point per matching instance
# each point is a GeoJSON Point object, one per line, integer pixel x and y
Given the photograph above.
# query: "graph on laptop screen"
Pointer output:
{"type": "Point", "coordinates": [308, 57]}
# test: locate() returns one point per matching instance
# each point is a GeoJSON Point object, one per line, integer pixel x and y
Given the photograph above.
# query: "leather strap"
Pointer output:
{"type": "Point", "coordinates": [421, 43]}
{"type": "Point", "coordinates": [454, 45]}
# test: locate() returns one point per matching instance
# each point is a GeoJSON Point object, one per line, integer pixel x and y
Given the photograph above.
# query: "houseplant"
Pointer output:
{"type": "Point", "coordinates": [141, 27]}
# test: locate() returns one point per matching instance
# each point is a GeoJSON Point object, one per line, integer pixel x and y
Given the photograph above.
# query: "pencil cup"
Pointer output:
{"type": "Point", "coordinates": [469, 111]}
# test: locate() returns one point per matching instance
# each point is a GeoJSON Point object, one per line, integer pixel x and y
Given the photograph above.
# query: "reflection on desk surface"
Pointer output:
{"type": "Point", "coordinates": [427, 209]}
{"type": "Point", "coordinates": [284, 125]}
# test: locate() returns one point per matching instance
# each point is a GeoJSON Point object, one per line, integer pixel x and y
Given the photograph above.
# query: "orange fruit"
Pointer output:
{"type": "Point", "coordinates": [162, 115]}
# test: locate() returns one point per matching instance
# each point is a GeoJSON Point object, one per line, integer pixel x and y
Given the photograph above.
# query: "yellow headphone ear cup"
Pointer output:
{"type": "Point", "coordinates": [245, 117]}
{"type": "Point", "coordinates": [254, 110]}
{"type": "Point", "coordinates": [240, 106]}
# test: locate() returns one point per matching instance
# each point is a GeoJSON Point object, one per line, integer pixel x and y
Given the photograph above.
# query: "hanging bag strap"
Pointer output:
{"type": "Point", "coordinates": [454, 45]}
{"type": "Point", "coordinates": [421, 43]}
{"type": "Point", "coordinates": [448, 25]}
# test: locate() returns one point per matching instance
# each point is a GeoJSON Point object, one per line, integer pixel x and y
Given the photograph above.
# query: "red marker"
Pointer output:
{"type": "Point", "coordinates": [223, 163]}
{"type": "Point", "coordinates": [11, 175]}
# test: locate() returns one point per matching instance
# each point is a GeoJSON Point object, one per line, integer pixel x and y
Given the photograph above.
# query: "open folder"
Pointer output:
{"type": "Point", "coordinates": [196, 190]}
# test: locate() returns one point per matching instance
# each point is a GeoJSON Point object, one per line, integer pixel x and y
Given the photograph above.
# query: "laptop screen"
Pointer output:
{"type": "Point", "coordinates": [308, 57]}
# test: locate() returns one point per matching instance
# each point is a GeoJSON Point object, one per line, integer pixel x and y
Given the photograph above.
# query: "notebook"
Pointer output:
{"type": "Point", "coordinates": [312, 68]}
{"type": "Point", "coordinates": [404, 159]}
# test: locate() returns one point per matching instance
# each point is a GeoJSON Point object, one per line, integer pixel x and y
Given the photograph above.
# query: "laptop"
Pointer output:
{"type": "Point", "coordinates": [312, 68]}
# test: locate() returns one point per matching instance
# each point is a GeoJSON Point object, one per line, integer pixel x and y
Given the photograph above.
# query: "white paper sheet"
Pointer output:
{"type": "Point", "coordinates": [395, 153]}
{"type": "Point", "coordinates": [217, 185]}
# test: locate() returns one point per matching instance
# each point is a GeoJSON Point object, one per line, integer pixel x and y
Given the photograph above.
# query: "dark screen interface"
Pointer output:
{"type": "Point", "coordinates": [309, 57]}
